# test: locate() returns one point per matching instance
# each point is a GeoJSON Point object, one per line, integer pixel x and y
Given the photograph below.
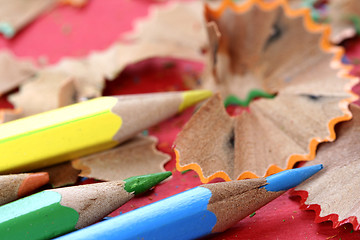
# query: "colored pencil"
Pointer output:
{"type": "Point", "coordinates": [15, 186]}
{"type": "Point", "coordinates": [51, 213]}
{"type": "Point", "coordinates": [84, 128]}
{"type": "Point", "coordinates": [197, 212]}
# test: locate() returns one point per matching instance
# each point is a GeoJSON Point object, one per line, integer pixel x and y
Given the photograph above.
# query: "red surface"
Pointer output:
{"type": "Point", "coordinates": [67, 31]}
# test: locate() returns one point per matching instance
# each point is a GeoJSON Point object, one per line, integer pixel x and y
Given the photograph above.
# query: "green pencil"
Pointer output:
{"type": "Point", "coordinates": [54, 212]}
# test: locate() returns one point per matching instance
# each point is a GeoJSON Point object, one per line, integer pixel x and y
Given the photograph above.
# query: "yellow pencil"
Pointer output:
{"type": "Point", "coordinates": [84, 128]}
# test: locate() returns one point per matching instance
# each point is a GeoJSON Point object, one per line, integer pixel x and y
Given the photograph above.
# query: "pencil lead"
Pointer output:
{"type": "Point", "coordinates": [192, 97]}
{"type": "Point", "coordinates": [290, 178]}
{"type": "Point", "coordinates": [141, 184]}
{"type": "Point", "coordinates": [103, 122]}
{"type": "Point", "coordinates": [58, 211]}
{"type": "Point", "coordinates": [16, 186]}
{"type": "Point", "coordinates": [31, 182]}
{"type": "Point", "coordinates": [206, 209]}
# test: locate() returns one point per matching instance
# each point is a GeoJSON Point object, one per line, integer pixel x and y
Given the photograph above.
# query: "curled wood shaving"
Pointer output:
{"type": "Point", "coordinates": [282, 52]}
{"type": "Point", "coordinates": [333, 192]}
{"type": "Point", "coordinates": [13, 71]}
{"type": "Point", "coordinates": [135, 157]}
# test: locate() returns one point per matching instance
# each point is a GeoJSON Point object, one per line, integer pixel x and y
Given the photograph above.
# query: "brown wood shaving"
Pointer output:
{"type": "Point", "coordinates": [153, 37]}
{"type": "Point", "coordinates": [334, 189]}
{"type": "Point", "coordinates": [13, 71]}
{"type": "Point", "coordinates": [275, 53]}
{"type": "Point", "coordinates": [340, 12]}
{"type": "Point", "coordinates": [135, 157]}
{"type": "Point", "coordinates": [179, 24]}
{"type": "Point", "coordinates": [270, 51]}
{"type": "Point", "coordinates": [62, 174]}
{"type": "Point", "coordinates": [15, 14]}
{"type": "Point", "coordinates": [47, 91]}
{"type": "Point", "coordinates": [338, 16]}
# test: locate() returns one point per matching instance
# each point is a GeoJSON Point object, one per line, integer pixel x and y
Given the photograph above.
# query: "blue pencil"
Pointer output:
{"type": "Point", "coordinates": [200, 211]}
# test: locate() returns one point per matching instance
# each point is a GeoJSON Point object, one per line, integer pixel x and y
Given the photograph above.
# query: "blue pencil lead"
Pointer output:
{"type": "Point", "coordinates": [203, 210]}
{"type": "Point", "coordinates": [290, 178]}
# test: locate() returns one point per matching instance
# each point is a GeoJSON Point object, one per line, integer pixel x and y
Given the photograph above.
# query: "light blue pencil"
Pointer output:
{"type": "Point", "coordinates": [197, 212]}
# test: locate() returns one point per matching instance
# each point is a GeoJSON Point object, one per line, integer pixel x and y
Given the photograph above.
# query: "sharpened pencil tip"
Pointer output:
{"type": "Point", "coordinates": [141, 184]}
{"type": "Point", "coordinates": [290, 178]}
{"type": "Point", "coordinates": [192, 97]}
{"type": "Point", "coordinates": [32, 182]}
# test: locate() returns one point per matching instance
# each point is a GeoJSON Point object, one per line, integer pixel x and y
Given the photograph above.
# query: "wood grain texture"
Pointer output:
{"type": "Point", "coordinates": [334, 189]}
{"type": "Point", "coordinates": [282, 52]}
{"type": "Point", "coordinates": [135, 157]}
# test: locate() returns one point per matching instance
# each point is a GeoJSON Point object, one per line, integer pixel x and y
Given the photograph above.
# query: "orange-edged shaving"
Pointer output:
{"type": "Point", "coordinates": [270, 47]}
{"type": "Point", "coordinates": [333, 194]}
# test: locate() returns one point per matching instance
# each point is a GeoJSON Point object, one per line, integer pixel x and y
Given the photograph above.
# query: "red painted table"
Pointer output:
{"type": "Point", "coordinates": [67, 31]}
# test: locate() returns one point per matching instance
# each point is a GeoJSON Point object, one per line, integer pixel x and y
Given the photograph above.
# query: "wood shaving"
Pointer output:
{"type": "Point", "coordinates": [47, 91]}
{"type": "Point", "coordinates": [62, 174]}
{"type": "Point", "coordinates": [15, 14]}
{"type": "Point", "coordinates": [332, 193]}
{"type": "Point", "coordinates": [276, 53]}
{"type": "Point", "coordinates": [135, 157]}
{"type": "Point", "coordinates": [13, 71]}
{"type": "Point", "coordinates": [340, 14]}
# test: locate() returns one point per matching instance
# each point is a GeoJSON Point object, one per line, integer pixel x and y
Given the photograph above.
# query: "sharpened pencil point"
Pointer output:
{"type": "Point", "coordinates": [290, 178]}
{"type": "Point", "coordinates": [192, 97]}
{"type": "Point", "coordinates": [140, 184]}
{"type": "Point", "coordinates": [32, 182]}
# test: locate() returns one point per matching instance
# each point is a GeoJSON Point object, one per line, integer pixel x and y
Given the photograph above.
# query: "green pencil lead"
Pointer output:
{"type": "Point", "coordinates": [254, 93]}
{"type": "Point", "coordinates": [233, 100]}
{"type": "Point", "coordinates": [141, 184]}
{"type": "Point", "coordinates": [253, 214]}
{"type": "Point", "coordinates": [185, 171]}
